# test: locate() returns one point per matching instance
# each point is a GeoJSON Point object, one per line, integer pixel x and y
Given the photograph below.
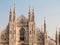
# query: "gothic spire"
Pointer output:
{"type": "Point", "coordinates": [33, 11]}
{"type": "Point", "coordinates": [29, 13]}
{"type": "Point", "coordinates": [45, 25]}
{"type": "Point", "coordinates": [14, 13]}
{"type": "Point", "coordinates": [59, 31]}
{"type": "Point", "coordinates": [45, 32]}
{"type": "Point", "coordinates": [32, 16]}
{"type": "Point", "coordinates": [59, 36]}
{"type": "Point", "coordinates": [56, 37]}
{"type": "Point", "coordinates": [10, 16]}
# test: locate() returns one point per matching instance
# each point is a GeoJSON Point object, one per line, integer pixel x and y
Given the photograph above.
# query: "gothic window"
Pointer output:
{"type": "Point", "coordinates": [22, 34]}
{"type": "Point", "coordinates": [32, 27]}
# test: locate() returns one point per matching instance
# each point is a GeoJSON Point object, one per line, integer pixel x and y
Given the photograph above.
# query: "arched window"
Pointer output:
{"type": "Point", "coordinates": [22, 34]}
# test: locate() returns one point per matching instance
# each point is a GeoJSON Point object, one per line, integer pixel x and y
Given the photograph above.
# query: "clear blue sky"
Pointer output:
{"type": "Point", "coordinates": [48, 8]}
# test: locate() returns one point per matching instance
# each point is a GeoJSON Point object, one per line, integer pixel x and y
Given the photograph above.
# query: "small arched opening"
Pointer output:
{"type": "Point", "coordinates": [22, 34]}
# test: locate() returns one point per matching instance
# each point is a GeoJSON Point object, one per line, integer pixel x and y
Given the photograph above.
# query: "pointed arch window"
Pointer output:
{"type": "Point", "coordinates": [22, 34]}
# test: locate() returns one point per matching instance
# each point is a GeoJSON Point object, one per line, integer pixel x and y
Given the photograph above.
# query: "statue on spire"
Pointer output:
{"type": "Point", "coordinates": [29, 13]}
{"type": "Point", "coordinates": [45, 33]}
{"type": "Point", "coordinates": [10, 16]}
{"type": "Point", "coordinates": [45, 25]}
{"type": "Point", "coordinates": [32, 15]}
{"type": "Point", "coordinates": [14, 16]}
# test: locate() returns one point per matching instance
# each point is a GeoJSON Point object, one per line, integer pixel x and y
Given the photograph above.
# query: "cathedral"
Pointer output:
{"type": "Point", "coordinates": [23, 31]}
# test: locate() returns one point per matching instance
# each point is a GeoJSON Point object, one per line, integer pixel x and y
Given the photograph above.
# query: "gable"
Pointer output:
{"type": "Point", "coordinates": [22, 20]}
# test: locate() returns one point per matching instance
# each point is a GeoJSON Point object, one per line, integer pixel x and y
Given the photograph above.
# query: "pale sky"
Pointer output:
{"type": "Point", "coordinates": [48, 8]}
